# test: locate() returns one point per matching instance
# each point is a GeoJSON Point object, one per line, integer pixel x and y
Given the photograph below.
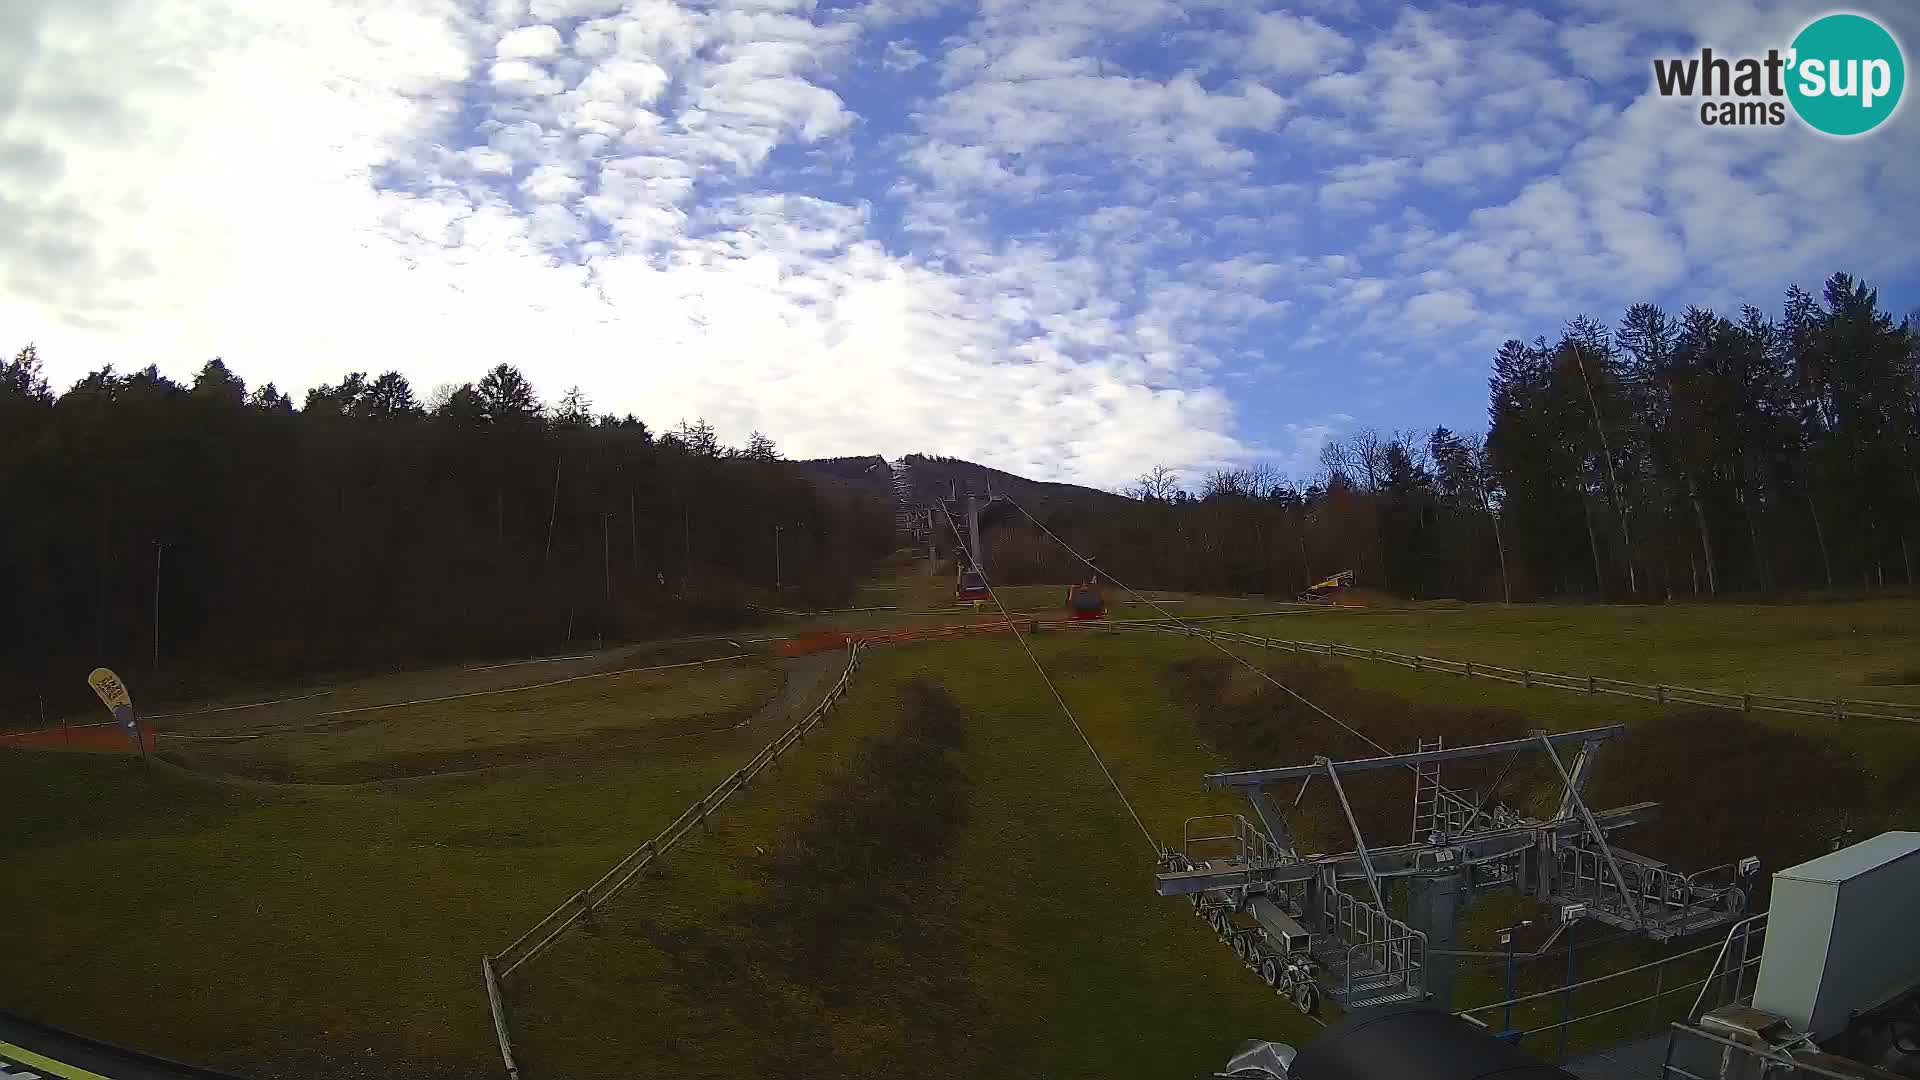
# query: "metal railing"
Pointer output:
{"type": "Point", "coordinates": [1660, 693]}
{"type": "Point", "coordinates": [1394, 953]}
{"type": "Point", "coordinates": [1693, 1054]}
{"type": "Point", "coordinates": [1665, 896]}
{"type": "Point", "coordinates": [583, 905]}
{"type": "Point", "coordinates": [1739, 946]}
{"type": "Point", "coordinates": [1661, 991]}
{"type": "Point", "coordinates": [1248, 844]}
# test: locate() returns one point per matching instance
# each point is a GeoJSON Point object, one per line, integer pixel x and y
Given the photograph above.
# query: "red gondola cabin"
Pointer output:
{"type": "Point", "coordinates": [1086, 602]}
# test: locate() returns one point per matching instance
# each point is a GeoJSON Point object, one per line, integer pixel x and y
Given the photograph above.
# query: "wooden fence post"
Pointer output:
{"type": "Point", "coordinates": [499, 1011]}
{"type": "Point", "coordinates": [1590, 684]}
{"type": "Point", "coordinates": [1746, 703]}
{"type": "Point", "coordinates": [1526, 677]}
{"type": "Point", "coordinates": [1660, 694]}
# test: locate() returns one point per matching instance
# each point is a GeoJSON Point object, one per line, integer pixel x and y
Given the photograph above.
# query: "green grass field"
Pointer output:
{"type": "Point", "coordinates": [614, 711]}
{"type": "Point", "coordinates": [1867, 649]}
{"type": "Point", "coordinates": [321, 930]}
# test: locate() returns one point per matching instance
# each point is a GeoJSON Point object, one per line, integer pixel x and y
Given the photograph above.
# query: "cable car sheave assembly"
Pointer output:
{"type": "Point", "coordinates": [1291, 916]}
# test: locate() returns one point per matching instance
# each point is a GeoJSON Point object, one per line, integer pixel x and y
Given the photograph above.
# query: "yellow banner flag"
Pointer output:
{"type": "Point", "coordinates": [113, 692]}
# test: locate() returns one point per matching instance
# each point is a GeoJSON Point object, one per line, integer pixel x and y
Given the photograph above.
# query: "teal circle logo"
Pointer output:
{"type": "Point", "coordinates": [1845, 74]}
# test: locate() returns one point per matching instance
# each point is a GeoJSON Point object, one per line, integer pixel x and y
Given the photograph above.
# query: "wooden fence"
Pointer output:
{"type": "Point", "coordinates": [1662, 693]}
{"type": "Point", "coordinates": [583, 905]}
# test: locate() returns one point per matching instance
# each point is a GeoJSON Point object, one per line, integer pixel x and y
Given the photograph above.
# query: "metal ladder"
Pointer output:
{"type": "Point", "coordinates": [1426, 793]}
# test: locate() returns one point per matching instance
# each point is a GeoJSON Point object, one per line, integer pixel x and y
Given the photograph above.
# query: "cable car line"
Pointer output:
{"type": "Point", "coordinates": [1355, 732]}
{"type": "Point", "coordinates": [1044, 677]}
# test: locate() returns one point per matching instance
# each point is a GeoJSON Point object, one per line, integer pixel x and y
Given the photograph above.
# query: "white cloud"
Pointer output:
{"type": "Point", "coordinates": [1602, 50]}
{"type": "Point", "coordinates": [1441, 309]}
{"type": "Point", "coordinates": [1292, 44]}
{"type": "Point", "coordinates": [522, 78]}
{"type": "Point", "coordinates": [529, 43]}
{"type": "Point", "coordinates": [901, 56]}
{"type": "Point", "coordinates": [772, 310]}
{"type": "Point", "coordinates": [1048, 247]}
{"type": "Point", "coordinates": [551, 184]}
{"type": "Point", "coordinates": [1363, 184]}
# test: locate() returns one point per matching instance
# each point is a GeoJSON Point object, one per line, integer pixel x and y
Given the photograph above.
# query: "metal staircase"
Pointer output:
{"type": "Point", "coordinates": [1367, 957]}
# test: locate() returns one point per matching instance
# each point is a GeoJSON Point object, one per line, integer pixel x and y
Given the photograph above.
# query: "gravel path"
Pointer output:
{"type": "Point", "coordinates": [803, 680]}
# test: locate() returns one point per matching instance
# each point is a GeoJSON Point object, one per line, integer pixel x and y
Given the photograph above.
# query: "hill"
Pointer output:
{"type": "Point", "coordinates": [930, 477]}
{"type": "Point", "coordinates": [868, 475]}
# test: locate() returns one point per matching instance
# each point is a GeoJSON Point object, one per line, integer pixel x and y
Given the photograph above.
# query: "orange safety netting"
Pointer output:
{"type": "Point", "coordinates": [88, 737]}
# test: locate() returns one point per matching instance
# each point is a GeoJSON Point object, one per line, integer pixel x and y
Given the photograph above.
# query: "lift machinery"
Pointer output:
{"type": "Point", "coordinates": [1312, 925]}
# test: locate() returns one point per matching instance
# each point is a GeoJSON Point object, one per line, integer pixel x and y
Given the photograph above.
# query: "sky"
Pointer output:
{"type": "Point", "coordinates": [1071, 239]}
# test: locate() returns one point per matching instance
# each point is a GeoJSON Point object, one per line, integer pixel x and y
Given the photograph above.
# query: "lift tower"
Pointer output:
{"type": "Point", "coordinates": [971, 507]}
{"type": "Point", "coordinates": [1329, 920]}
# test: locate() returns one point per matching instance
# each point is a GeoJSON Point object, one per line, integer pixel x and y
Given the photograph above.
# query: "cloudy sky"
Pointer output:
{"type": "Point", "coordinates": [1070, 238]}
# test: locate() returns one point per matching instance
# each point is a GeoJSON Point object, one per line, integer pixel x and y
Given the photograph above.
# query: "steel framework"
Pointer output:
{"type": "Point", "coordinates": [1250, 882]}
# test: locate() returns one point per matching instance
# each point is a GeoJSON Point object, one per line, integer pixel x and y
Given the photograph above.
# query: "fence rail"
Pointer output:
{"type": "Point", "coordinates": [584, 904]}
{"type": "Point", "coordinates": [1661, 693]}
{"type": "Point", "coordinates": [1662, 991]}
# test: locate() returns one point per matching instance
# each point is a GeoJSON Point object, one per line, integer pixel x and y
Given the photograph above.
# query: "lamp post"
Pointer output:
{"type": "Point", "coordinates": [1506, 939]}
{"type": "Point", "coordinates": [1570, 914]}
{"type": "Point", "coordinates": [776, 558]}
{"type": "Point", "coordinates": [159, 549]}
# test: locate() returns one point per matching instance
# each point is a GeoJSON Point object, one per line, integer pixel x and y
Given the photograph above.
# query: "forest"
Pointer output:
{"type": "Point", "coordinates": [1697, 455]}
{"type": "Point", "coordinates": [208, 536]}
{"type": "Point", "coordinates": [205, 535]}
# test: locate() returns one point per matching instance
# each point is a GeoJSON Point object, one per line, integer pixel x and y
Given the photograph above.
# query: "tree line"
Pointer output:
{"type": "Point", "coordinates": [1689, 455]}
{"type": "Point", "coordinates": [204, 535]}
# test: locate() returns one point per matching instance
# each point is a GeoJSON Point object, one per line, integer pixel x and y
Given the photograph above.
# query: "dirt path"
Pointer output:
{"type": "Point", "coordinates": [803, 680]}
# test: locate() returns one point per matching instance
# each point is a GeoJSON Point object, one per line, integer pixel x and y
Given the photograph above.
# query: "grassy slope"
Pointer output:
{"type": "Point", "coordinates": [499, 728]}
{"type": "Point", "coordinates": [1076, 968]}
{"type": "Point", "coordinates": [1811, 650]}
{"type": "Point", "coordinates": [1817, 650]}
{"type": "Point", "coordinates": [286, 931]}
{"type": "Point", "coordinates": [232, 917]}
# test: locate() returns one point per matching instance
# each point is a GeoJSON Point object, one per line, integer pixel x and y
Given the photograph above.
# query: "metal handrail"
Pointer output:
{"type": "Point", "coordinates": [1668, 1067]}
{"type": "Point", "coordinates": [1254, 845]}
{"type": "Point", "coordinates": [1524, 998]}
{"type": "Point", "coordinates": [1745, 928]}
{"type": "Point", "coordinates": [586, 901]}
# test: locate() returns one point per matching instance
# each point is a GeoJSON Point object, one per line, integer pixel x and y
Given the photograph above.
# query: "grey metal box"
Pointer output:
{"type": "Point", "coordinates": [1843, 934]}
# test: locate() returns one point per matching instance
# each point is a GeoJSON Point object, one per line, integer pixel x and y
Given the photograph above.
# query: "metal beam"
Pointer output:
{"type": "Point", "coordinates": [1577, 782]}
{"type": "Point", "coordinates": [1273, 819]}
{"type": "Point", "coordinates": [1359, 841]}
{"type": "Point", "coordinates": [1599, 836]}
{"type": "Point", "coordinates": [1401, 860]}
{"type": "Point", "coordinates": [1260, 777]}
